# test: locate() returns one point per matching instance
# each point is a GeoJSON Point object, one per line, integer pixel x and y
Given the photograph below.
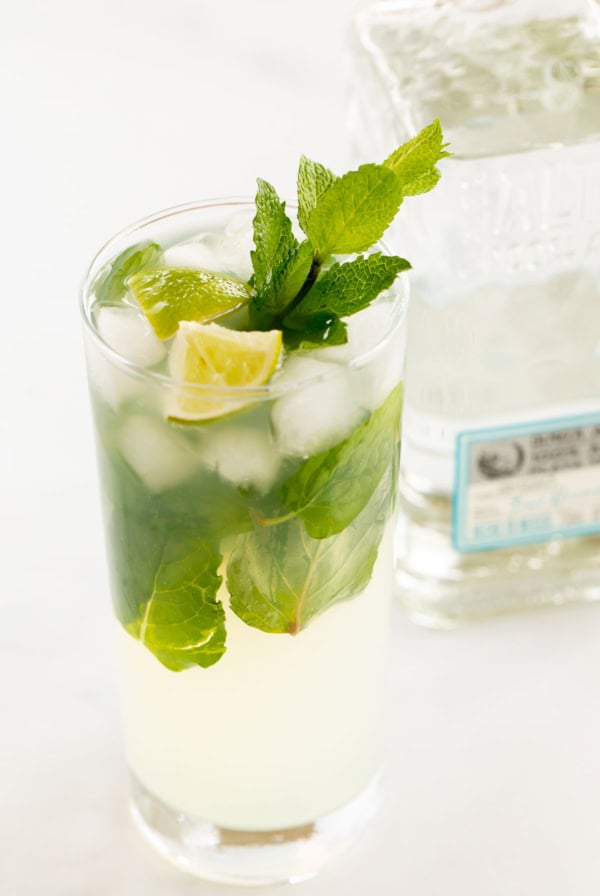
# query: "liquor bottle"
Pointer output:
{"type": "Point", "coordinates": [500, 466]}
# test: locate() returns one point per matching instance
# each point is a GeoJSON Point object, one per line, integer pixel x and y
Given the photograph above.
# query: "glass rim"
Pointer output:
{"type": "Point", "coordinates": [271, 388]}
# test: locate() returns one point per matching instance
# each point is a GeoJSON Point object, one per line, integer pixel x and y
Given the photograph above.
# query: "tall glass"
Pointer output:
{"type": "Point", "coordinates": [251, 568]}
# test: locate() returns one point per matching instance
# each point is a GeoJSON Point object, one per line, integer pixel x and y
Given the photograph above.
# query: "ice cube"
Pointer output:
{"type": "Point", "coordinates": [128, 332]}
{"type": "Point", "coordinates": [365, 329]}
{"type": "Point", "coordinates": [224, 253]}
{"type": "Point", "coordinates": [373, 380]}
{"type": "Point", "coordinates": [112, 384]}
{"type": "Point", "coordinates": [244, 455]}
{"type": "Point", "coordinates": [196, 253]}
{"type": "Point", "coordinates": [240, 223]}
{"type": "Point", "coordinates": [234, 246]}
{"type": "Point", "coordinates": [309, 419]}
{"type": "Point", "coordinates": [160, 457]}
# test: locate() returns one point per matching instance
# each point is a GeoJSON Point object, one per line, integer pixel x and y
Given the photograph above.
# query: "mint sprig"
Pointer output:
{"type": "Point", "coordinates": [296, 287]}
{"type": "Point", "coordinates": [314, 541]}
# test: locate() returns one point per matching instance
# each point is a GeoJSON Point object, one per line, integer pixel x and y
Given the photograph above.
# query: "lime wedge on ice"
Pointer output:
{"type": "Point", "coordinates": [170, 295]}
{"type": "Point", "coordinates": [210, 355]}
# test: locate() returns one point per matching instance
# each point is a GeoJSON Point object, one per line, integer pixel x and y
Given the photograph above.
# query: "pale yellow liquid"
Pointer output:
{"type": "Point", "coordinates": [281, 731]}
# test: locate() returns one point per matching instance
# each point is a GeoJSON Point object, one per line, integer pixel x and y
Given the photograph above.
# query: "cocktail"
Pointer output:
{"type": "Point", "coordinates": [246, 387]}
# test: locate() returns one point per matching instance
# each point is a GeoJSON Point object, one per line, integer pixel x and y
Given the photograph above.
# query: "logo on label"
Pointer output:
{"type": "Point", "coordinates": [506, 459]}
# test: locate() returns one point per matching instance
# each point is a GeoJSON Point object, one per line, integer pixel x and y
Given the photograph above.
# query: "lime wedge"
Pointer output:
{"type": "Point", "coordinates": [170, 295]}
{"type": "Point", "coordinates": [210, 355]}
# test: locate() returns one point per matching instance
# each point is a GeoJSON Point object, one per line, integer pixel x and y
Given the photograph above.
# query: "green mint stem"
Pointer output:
{"type": "Point", "coordinates": [312, 275]}
{"type": "Point", "coordinates": [262, 521]}
{"type": "Point", "coordinates": [315, 270]}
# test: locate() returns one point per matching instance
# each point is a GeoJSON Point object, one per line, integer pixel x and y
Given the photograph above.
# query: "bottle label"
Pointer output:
{"type": "Point", "coordinates": [526, 483]}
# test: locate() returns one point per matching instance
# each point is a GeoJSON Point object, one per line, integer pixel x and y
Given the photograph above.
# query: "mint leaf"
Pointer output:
{"type": "Point", "coordinates": [344, 215]}
{"type": "Point", "coordinates": [182, 622]}
{"type": "Point", "coordinates": [315, 332]}
{"type": "Point", "coordinates": [347, 288]}
{"type": "Point", "coordinates": [205, 505]}
{"type": "Point", "coordinates": [134, 533]}
{"type": "Point", "coordinates": [279, 578]}
{"type": "Point", "coordinates": [414, 162]}
{"type": "Point", "coordinates": [142, 530]}
{"type": "Point", "coordinates": [291, 279]}
{"type": "Point", "coordinates": [268, 307]}
{"type": "Point", "coordinates": [274, 245]}
{"type": "Point", "coordinates": [110, 285]}
{"type": "Point", "coordinates": [355, 211]}
{"type": "Point", "coordinates": [134, 538]}
{"type": "Point", "coordinates": [330, 489]}
{"type": "Point", "coordinates": [313, 180]}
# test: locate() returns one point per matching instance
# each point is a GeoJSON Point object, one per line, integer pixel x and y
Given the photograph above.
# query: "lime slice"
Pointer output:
{"type": "Point", "coordinates": [210, 355]}
{"type": "Point", "coordinates": [170, 295]}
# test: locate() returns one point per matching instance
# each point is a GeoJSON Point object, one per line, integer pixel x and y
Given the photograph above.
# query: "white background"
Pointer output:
{"type": "Point", "coordinates": [111, 110]}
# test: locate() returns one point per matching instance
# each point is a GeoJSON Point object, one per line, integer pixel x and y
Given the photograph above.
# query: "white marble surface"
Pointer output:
{"type": "Point", "coordinates": [111, 110]}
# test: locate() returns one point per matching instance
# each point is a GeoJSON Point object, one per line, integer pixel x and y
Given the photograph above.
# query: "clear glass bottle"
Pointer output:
{"type": "Point", "coordinates": [500, 477]}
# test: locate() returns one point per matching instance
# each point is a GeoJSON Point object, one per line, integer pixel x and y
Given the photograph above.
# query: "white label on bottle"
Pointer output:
{"type": "Point", "coordinates": [526, 483]}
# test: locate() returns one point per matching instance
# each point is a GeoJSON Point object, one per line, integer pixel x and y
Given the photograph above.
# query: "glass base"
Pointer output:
{"type": "Point", "coordinates": [289, 855]}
